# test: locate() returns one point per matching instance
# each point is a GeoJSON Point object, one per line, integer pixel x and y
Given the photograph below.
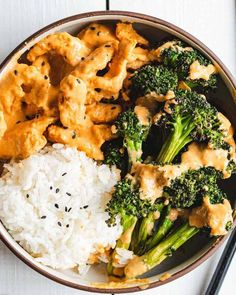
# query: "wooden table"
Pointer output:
{"type": "Point", "coordinates": [212, 21]}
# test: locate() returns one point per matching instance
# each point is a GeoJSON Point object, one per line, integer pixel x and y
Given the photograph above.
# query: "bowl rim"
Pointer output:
{"type": "Point", "coordinates": [204, 48]}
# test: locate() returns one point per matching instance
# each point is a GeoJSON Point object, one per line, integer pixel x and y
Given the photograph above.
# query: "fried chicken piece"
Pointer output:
{"type": "Point", "coordinates": [25, 139]}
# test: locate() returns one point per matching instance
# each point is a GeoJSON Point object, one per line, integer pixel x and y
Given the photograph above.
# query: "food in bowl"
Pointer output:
{"type": "Point", "coordinates": [115, 150]}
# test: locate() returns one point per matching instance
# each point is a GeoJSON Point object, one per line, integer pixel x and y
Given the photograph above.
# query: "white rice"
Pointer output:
{"type": "Point", "coordinates": [42, 207]}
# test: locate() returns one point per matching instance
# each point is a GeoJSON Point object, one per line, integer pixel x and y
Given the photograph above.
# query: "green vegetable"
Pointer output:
{"type": "Point", "coordinates": [159, 253]}
{"type": "Point", "coordinates": [133, 132]}
{"type": "Point", "coordinates": [154, 78]}
{"type": "Point", "coordinates": [190, 187]}
{"type": "Point", "coordinates": [179, 58]}
{"type": "Point", "coordinates": [189, 118]}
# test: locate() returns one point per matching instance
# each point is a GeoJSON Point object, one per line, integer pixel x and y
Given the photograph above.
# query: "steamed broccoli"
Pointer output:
{"type": "Point", "coordinates": [179, 58]}
{"type": "Point", "coordinates": [139, 265]}
{"type": "Point", "coordinates": [133, 132]}
{"type": "Point", "coordinates": [190, 187]}
{"type": "Point", "coordinates": [126, 204]}
{"type": "Point", "coordinates": [154, 78]}
{"type": "Point", "coordinates": [190, 117]}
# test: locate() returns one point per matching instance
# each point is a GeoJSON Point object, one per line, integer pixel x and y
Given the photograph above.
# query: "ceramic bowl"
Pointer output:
{"type": "Point", "coordinates": [200, 247]}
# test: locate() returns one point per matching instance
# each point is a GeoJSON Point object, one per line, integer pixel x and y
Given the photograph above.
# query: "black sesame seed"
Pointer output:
{"type": "Point", "coordinates": [85, 207]}
{"type": "Point", "coordinates": [107, 45]}
{"type": "Point", "coordinates": [67, 225]}
{"type": "Point", "coordinates": [84, 117]}
{"type": "Point", "coordinates": [15, 72]}
{"type": "Point", "coordinates": [73, 135]}
{"type": "Point", "coordinates": [59, 223]}
{"type": "Point", "coordinates": [98, 33]}
{"type": "Point", "coordinates": [64, 174]}
{"type": "Point", "coordinates": [78, 80]}
{"type": "Point", "coordinates": [43, 217]}
{"type": "Point", "coordinates": [43, 63]}
{"type": "Point", "coordinates": [50, 187]}
{"type": "Point", "coordinates": [45, 77]}
{"type": "Point", "coordinates": [98, 89]}
{"type": "Point", "coordinates": [66, 209]}
{"type": "Point", "coordinates": [56, 205]}
{"type": "Point", "coordinates": [92, 28]}
{"type": "Point", "coordinates": [27, 196]}
{"type": "Point", "coordinates": [82, 58]}
{"type": "Point", "coordinates": [68, 194]}
{"type": "Point", "coordinates": [18, 122]}
{"type": "Point", "coordinates": [113, 108]}
{"type": "Point", "coordinates": [69, 209]}
{"type": "Point", "coordinates": [57, 190]}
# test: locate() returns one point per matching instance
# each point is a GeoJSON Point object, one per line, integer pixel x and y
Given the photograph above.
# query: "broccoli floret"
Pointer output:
{"type": "Point", "coordinates": [231, 168]}
{"type": "Point", "coordinates": [154, 78]}
{"type": "Point", "coordinates": [179, 58]}
{"type": "Point", "coordinates": [190, 187]}
{"type": "Point", "coordinates": [115, 154]}
{"type": "Point", "coordinates": [133, 132]}
{"type": "Point", "coordinates": [126, 202]}
{"type": "Point", "coordinates": [189, 118]}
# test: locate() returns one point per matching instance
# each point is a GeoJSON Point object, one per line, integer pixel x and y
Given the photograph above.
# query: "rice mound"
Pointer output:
{"type": "Point", "coordinates": [53, 204]}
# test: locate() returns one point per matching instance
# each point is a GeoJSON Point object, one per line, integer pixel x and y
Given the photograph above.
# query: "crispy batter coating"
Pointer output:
{"type": "Point", "coordinates": [88, 138]}
{"type": "Point", "coordinates": [96, 35]}
{"type": "Point", "coordinates": [72, 101]}
{"type": "Point", "coordinates": [25, 139]}
{"type": "Point", "coordinates": [126, 31]}
{"type": "Point", "coordinates": [62, 43]}
{"type": "Point", "coordinates": [103, 112]}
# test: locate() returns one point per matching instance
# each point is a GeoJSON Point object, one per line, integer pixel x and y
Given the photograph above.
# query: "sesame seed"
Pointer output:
{"type": "Point", "coordinates": [82, 58]}
{"type": "Point", "coordinates": [65, 209]}
{"type": "Point", "coordinates": [27, 196]}
{"type": "Point", "coordinates": [45, 77]}
{"type": "Point", "coordinates": [18, 122]}
{"type": "Point", "coordinates": [98, 33]}
{"type": "Point", "coordinates": [64, 174]}
{"type": "Point", "coordinates": [98, 89]}
{"type": "Point", "coordinates": [50, 187]}
{"type": "Point", "coordinates": [56, 205]}
{"type": "Point", "coordinates": [43, 63]}
{"type": "Point", "coordinates": [73, 135]}
{"type": "Point", "coordinates": [59, 223]}
{"type": "Point", "coordinates": [67, 225]}
{"type": "Point", "coordinates": [92, 28]}
{"type": "Point", "coordinates": [112, 108]}
{"type": "Point", "coordinates": [69, 209]}
{"type": "Point", "coordinates": [107, 45]}
{"type": "Point", "coordinates": [43, 217]}
{"type": "Point", "coordinates": [57, 190]}
{"type": "Point", "coordinates": [78, 80]}
{"type": "Point", "coordinates": [68, 194]}
{"type": "Point", "coordinates": [15, 72]}
{"type": "Point", "coordinates": [85, 207]}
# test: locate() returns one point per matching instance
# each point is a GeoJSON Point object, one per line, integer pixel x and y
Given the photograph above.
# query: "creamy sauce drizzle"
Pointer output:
{"type": "Point", "coordinates": [198, 71]}
{"type": "Point", "coordinates": [215, 216]}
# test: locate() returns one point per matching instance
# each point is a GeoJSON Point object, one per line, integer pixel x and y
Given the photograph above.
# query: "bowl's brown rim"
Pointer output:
{"type": "Point", "coordinates": [140, 16]}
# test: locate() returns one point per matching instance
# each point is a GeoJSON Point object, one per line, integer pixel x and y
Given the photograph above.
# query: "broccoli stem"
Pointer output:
{"type": "Point", "coordinates": [134, 150]}
{"type": "Point", "coordinates": [163, 229]}
{"type": "Point", "coordinates": [128, 223]}
{"type": "Point", "coordinates": [170, 244]}
{"type": "Point", "coordinates": [154, 257]}
{"type": "Point", "coordinates": [145, 230]}
{"type": "Point", "coordinates": [177, 139]}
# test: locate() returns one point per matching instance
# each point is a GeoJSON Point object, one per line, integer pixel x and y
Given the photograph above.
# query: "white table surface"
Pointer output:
{"type": "Point", "coordinates": [212, 21]}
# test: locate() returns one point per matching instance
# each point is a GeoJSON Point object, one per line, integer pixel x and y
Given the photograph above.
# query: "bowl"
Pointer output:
{"type": "Point", "coordinates": [200, 247]}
